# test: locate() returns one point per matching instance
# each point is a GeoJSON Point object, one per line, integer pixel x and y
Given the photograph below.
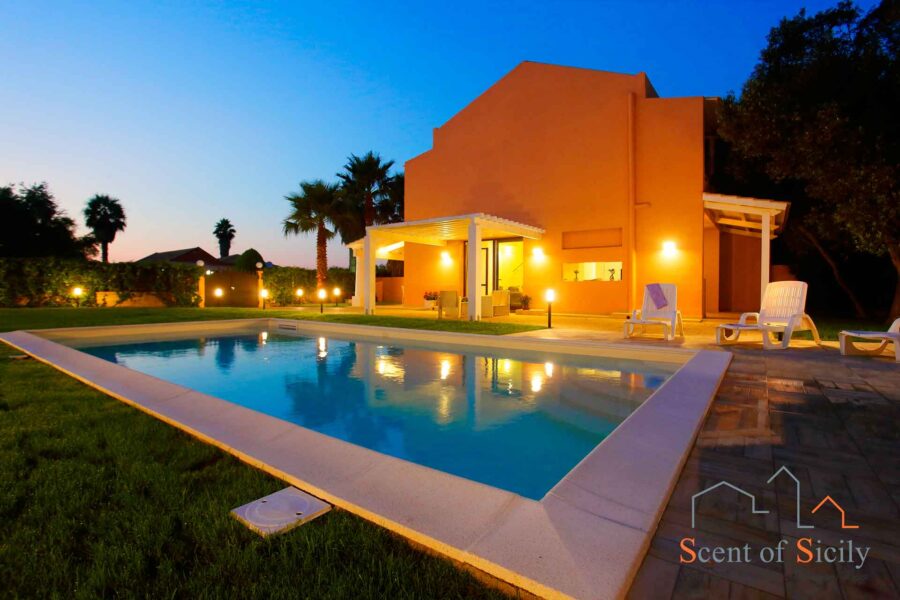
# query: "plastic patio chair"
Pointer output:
{"type": "Point", "coordinates": [782, 312]}
{"type": "Point", "coordinates": [669, 317]}
{"type": "Point", "coordinates": [891, 335]}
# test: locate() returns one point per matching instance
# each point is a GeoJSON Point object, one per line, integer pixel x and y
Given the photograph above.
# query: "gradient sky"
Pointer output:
{"type": "Point", "coordinates": [189, 112]}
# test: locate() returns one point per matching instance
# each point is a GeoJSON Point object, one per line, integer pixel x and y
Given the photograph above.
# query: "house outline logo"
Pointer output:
{"type": "Point", "coordinates": [754, 510]}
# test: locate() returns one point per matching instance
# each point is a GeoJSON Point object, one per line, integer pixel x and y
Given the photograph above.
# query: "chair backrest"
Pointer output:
{"type": "Point", "coordinates": [500, 297]}
{"type": "Point", "coordinates": [649, 310]}
{"type": "Point", "coordinates": [782, 300]}
{"type": "Point", "coordinates": [449, 299]}
{"type": "Point", "coordinates": [895, 326]}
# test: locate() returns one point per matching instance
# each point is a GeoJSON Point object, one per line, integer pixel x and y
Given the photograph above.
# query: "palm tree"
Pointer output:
{"type": "Point", "coordinates": [390, 209]}
{"type": "Point", "coordinates": [225, 232]}
{"type": "Point", "coordinates": [315, 208]}
{"type": "Point", "coordinates": [364, 181]}
{"type": "Point", "coordinates": [105, 217]}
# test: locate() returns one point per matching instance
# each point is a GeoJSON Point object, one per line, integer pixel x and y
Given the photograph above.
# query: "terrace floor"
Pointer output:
{"type": "Point", "coordinates": [833, 421]}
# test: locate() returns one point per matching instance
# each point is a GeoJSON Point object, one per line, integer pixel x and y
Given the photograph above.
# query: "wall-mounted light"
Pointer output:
{"type": "Point", "coordinates": [218, 293]}
{"type": "Point", "coordinates": [445, 258]}
{"type": "Point", "coordinates": [538, 255]}
{"type": "Point", "coordinates": [669, 249]}
{"type": "Point", "coordinates": [209, 272]}
{"type": "Point", "coordinates": [507, 251]}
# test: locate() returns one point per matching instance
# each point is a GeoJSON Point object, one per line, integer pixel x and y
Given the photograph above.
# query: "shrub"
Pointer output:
{"type": "Point", "coordinates": [50, 281]}
{"type": "Point", "coordinates": [248, 259]}
{"type": "Point", "coordinates": [282, 283]}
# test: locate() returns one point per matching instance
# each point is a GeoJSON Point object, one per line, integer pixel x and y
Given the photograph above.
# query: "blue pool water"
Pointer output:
{"type": "Point", "coordinates": [515, 421]}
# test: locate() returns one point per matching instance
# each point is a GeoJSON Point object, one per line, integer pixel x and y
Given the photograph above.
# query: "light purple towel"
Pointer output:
{"type": "Point", "coordinates": [657, 295]}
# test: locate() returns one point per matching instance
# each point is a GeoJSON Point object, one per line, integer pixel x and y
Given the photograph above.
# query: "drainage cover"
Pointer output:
{"type": "Point", "coordinates": [280, 512]}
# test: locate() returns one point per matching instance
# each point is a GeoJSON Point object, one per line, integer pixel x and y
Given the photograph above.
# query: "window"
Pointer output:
{"type": "Point", "coordinates": [592, 271]}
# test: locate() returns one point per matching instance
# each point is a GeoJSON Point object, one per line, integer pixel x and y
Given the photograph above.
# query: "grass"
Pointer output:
{"type": "Point", "coordinates": [44, 318]}
{"type": "Point", "coordinates": [99, 499]}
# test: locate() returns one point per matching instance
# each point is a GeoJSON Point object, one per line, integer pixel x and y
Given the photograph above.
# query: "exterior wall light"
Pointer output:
{"type": "Point", "coordinates": [538, 254]}
{"type": "Point", "coordinates": [669, 249]}
{"type": "Point", "coordinates": [218, 293]}
{"type": "Point", "coordinates": [445, 258]}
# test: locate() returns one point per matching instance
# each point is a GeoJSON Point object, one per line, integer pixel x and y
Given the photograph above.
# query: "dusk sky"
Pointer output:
{"type": "Point", "coordinates": [189, 112]}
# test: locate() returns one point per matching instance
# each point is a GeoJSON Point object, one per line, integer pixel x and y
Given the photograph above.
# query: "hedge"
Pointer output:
{"type": "Point", "coordinates": [282, 283]}
{"type": "Point", "coordinates": [50, 281]}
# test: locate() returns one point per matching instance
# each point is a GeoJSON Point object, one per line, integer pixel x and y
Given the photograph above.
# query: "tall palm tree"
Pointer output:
{"type": "Point", "coordinates": [390, 209]}
{"type": "Point", "coordinates": [316, 208]}
{"type": "Point", "coordinates": [364, 180]}
{"type": "Point", "coordinates": [105, 217]}
{"type": "Point", "coordinates": [225, 232]}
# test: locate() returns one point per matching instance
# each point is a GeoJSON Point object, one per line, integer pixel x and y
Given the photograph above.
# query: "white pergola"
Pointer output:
{"type": "Point", "coordinates": [388, 241]}
{"type": "Point", "coordinates": [752, 217]}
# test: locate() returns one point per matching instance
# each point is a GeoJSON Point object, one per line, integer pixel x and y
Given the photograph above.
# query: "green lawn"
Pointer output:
{"type": "Point", "coordinates": [98, 499]}
{"type": "Point", "coordinates": [43, 318]}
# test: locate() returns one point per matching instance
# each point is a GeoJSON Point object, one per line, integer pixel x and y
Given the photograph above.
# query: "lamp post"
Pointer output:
{"type": "Point", "coordinates": [259, 285]}
{"type": "Point", "coordinates": [336, 292]}
{"type": "Point", "coordinates": [264, 295]}
{"type": "Point", "coordinates": [77, 292]}
{"type": "Point", "coordinates": [550, 296]}
{"type": "Point", "coordinates": [201, 285]}
{"type": "Point", "coordinates": [299, 295]}
{"type": "Point", "coordinates": [322, 295]}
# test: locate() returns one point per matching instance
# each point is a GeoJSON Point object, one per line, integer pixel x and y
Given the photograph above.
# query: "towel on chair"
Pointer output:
{"type": "Point", "coordinates": [657, 295]}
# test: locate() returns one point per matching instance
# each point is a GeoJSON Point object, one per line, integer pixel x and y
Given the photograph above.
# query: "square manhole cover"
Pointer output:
{"type": "Point", "coordinates": [280, 512]}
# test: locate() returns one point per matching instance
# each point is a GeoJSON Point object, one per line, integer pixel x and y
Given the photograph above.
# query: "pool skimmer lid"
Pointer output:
{"type": "Point", "coordinates": [280, 512]}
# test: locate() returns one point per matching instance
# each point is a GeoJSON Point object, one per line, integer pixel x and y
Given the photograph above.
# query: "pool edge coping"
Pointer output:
{"type": "Point", "coordinates": [519, 531]}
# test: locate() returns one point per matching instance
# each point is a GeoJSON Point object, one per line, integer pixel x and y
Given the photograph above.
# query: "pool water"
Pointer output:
{"type": "Point", "coordinates": [516, 421]}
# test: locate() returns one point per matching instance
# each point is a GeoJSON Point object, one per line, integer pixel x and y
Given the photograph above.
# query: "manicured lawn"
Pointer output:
{"type": "Point", "coordinates": [43, 318]}
{"type": "Point", "coordinates": [98, 499]}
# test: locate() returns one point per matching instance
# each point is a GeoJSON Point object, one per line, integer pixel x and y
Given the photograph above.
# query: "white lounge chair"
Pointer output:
{"type": "Point", "coordinates": [782, 312]}
{"type": "Point", "coordinates": [668, 315]}
{"type": "Point", "coordinates": [891, 335]}
{"type": "Point", "coordinates": [448, 302]}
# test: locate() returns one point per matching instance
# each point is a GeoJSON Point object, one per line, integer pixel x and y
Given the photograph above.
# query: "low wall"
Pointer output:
{"type": "Point", "coordinates": [136, 300]}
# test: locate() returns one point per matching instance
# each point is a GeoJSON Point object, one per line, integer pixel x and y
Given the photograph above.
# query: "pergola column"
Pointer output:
{"type": "Point", "coordinates": [368, 274]}
{"type": "Point", "coordinates": [764, 257]}
{"type": "Point", "coordinates": [474, 270]}
{"type": "Point", "coordinates": [358, 293]}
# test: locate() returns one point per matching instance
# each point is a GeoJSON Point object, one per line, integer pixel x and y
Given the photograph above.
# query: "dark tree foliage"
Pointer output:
{"type": "Point", "coordinates": [248, 259]}
{"type": "Point", "coordinates": [105, 217]}
{"type": "Point", "coordinates": [819, 115]}
{"type": "Point", "coordinates": [32, 224]}
{"type": "Point", "coordinates": [224, 232]}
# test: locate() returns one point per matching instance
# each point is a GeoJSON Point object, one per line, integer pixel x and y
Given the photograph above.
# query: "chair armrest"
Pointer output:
{"type": "Point", "coordinates": [747, 316]}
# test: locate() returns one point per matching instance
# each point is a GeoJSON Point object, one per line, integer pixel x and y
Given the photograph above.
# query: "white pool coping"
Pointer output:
{"type": "Point", "coordinates": [585, 538]}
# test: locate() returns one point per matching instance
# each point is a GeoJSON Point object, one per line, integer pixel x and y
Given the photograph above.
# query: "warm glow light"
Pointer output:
{"type": "Point", "coordinates": [550, 295]}
{"type": "Point", "coordinates": [548, 369]}
{"type": "Point", "coordinates": [385, 250]}
{"type": "Point", "coordinates": [506, 365]}
{"type": "Point", "coordinates": [336, 291]}
{"type": "Point", "coordinates": [382, 366]}
{"type": "Point", "coordinates": [507, 251]}
{"type": "Point", "coordinates": [218, 292]}
{"type": "Point", "coordinates": [299, 292]}
{"type": "Point", "coordinates": [445, 369]}
{"type": "Point", "coordinates": [669, 249]}
{"type": "Point", "coordinates": [323, 347]}
{"type": "Point", "coordinates": [264, 335]}
{"type": "Point", "coordinates": [208, 272]}
{"type": "Point", "coordinates": [77, 292]}
{"type": "Point", "coordinates": [445, 258]}
{"type": "Point", "coordinates": [264, 293]}
{"type": "Point", "coordinates": [537, 382]}
{"type": "Point", "coordinates": [322, 294]}
{"type": "Point", "coordinates": [538, 254]}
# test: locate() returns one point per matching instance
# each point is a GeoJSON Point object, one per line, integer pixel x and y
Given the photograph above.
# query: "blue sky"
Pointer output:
{"type": "Point", "coordinates": [189, 112]}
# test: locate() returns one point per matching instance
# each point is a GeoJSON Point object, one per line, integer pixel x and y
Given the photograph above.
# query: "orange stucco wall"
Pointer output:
{"type": "Point", "coordinates": [739, 273]}
{"type": "Point", "coordinates": [569, 149]}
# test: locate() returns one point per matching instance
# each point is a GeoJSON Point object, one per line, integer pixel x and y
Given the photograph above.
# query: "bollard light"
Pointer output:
{"type": "Point", "coordinates": [322, 295]}
{"type": "Point", "coordinates": [550, 296]}
{"type": "Point", "coordinates": [78, 292]}
{"type": "Point", "coordinates": [336, 292]}
{"type": "Point", "coordinates": [264, 294]}
{"type": "Point", "coordinates": [299, 294]}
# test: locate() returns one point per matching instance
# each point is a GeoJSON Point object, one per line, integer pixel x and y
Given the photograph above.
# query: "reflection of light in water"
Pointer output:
{"type": "Point", "coordinates": [548, 369]}
{"type": "Point", "coordinates": [445, 368]}
{"type": "Point", "coordinates": [381, 366]}
{"type": "Point", "coordinates": [263, 337]}
{"type": "Point", "coordinates": [537, 382]}
{"type": "Point", "coordinates": [323, 347]}
{"type": "Point", "coordinates": [443, 408]}
{"type": "Point", "coordinates": [506, 365]}
{"type": "Point", "coordinates": [390, 368]}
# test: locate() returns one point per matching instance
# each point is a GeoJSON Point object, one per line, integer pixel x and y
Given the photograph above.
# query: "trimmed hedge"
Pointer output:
{"type": "Point", "coordinates": [49, 281]}
{"type": "Point", "coordinates": [282, 283]}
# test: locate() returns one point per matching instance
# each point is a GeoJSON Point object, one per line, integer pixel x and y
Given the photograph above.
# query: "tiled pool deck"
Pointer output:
{"type": "Point", "coordinates": [834, 421]}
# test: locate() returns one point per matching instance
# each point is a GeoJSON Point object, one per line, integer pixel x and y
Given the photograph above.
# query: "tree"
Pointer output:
{"type": "Point", "coordinates": [32, 224]}
{"type": "Point", "coordinates": [248, 260]}
{"type": "Point", "coordinates": [820, 110]}
{"type": "Point", "coordinates": [364, 181]}
{"type": "Point", "coordinates": [317, 207]}
{"type": "Point", "coordinates": [105, 217]}
{"type": "Point", "coordinates": [224, 232]}
{"type": "Point", "coordinates": [390, 208]}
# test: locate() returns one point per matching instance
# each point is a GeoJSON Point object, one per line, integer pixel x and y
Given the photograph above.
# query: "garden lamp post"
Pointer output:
{"type": "Point", "coordinates": [322, 295]}
{"type": "Point", "coordinates": [78, 292]}
{"type": "Point", "coordinates": [550, 296]}
{"type": "Point", "coordinates": [299, 295]}
{"type": "Point", "coordinates": [263, 296]}
{"type": "Point", "coordinates": [336, 292]}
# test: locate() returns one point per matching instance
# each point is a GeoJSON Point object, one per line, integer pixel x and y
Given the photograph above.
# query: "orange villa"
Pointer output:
{"type": "Point", "coordinates": [581, 181]}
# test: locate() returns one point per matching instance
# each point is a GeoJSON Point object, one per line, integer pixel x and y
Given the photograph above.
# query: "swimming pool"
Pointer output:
{"type": "Point", "coordinates": [515, 420]}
